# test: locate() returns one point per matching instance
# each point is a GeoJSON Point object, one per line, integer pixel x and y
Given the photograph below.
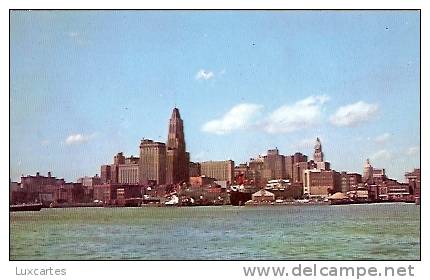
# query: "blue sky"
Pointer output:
{"type": "Point", "coordinates": [85, 85]}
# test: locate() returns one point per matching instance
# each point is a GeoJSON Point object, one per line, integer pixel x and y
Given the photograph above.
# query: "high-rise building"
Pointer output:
{"type": "Point", "coordinates": [319, 157]}
{"type": "Point", "coordinates": [414, 181]}
{"type": "Point", "coordinates": [256, 167]}
{"type": "Point", "coordinates": [118, 159]}
{"type": "Point", "coordinates": [350, 181]}
{"type": "Point", "coordinates": [105, 174]}
{"type": "Point", "coordinates": [274, 165]}
{"type": "Point", "coordinates": [194, 169]}
{"type": "Point", "coordinates": [128, 173]}
{"type": "Point", "coordinates": [294, 166]}
{"type": "Point", "coordinates": [368, 172]}
{"type": "Point", "coordinates": [177, 169]}
{"type": "Point", "coordinates": [220, 170]}
{"type": "Point", "coordinates": [152, 163]}
{"type": "Point", "coordinates": [320, 183]}
{"type": "Point", "coordinates": [318, 154]}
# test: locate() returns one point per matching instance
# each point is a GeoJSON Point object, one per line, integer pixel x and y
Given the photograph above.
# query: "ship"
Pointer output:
{"type": "Point", "coordinates": [241, 194]}
{"type": "Point", "coordinates": [25, 207]}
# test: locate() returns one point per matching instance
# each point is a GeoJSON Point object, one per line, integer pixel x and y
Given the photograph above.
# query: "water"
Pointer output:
{"type": "Point", "coordinates": [346, 232]}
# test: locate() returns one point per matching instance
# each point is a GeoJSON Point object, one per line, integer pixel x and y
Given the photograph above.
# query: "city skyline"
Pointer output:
{"type": "Point", "coordinates": [103, 86]}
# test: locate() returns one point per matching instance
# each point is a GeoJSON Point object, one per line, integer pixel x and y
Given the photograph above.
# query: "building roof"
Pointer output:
{"type": "Point", "coordinates": [338, 195]}
{"type": "Point", "coordinates": [263, 193]}
{"type": "Point", "coordinates": [175, 114]}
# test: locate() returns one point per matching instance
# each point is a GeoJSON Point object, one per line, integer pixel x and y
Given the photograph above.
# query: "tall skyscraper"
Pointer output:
{"type": "Point", "coordinates": [220, 170]}
{"type": "Point", "coordinates": [319, 157]}
{"type": "Point", "coordinates": [318, 154]}
{"type": "Point", "coordinates": [368, 172]}
{"type": "Point", "coordinates": [177, 157]}
{"type": "Point", "coordinates": [152, 162]}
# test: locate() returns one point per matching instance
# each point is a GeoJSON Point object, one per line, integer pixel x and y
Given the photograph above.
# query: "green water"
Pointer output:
{"type": "Point", "coordinates": [347, 232]}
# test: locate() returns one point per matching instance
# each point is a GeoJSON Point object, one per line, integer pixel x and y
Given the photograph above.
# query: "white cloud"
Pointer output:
{"type": "Point", "coordinates": [381, 139]}
{"type": "Point", "coordinates": [381, 155]}
{"type": "Point", "coordinates": [302, 114]}
{"type": "Point", "coordinates": [413, 151]}
{"type": "Point", "coordinates": [353, 114]}
{"type": "Point", "coordinates": [78, 138]}
{"type": "Point", "coordinates": [239, 117]}
{"type": "Point", "coordinates": [204, 75]}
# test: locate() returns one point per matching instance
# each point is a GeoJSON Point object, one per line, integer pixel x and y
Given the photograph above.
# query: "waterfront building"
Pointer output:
{"type": "Point", "coordinates": [263, 196]}
{"type": "Point", "coordinates": [414, 181]}
{"type": "Point", "coordinates": [46, 189]}
{"type": "Point", "coordinates": [349, 181]}
{"type": "Point", "coordinates": [105, 173]}
{"type": "Point", "coordinates": [274, 165]}
{"type": "Point", "coordinates": [299, 169]}
{"type": "Point", "coordinates": [117, 193]}
{"type": "Point", "coordinates": [88, 182]}
{"type": "Point", "coordinates": [320, 183]}
{"type": "Point", "coordinates": [152, 163]}
{"type": "Point", "coordinates": [378, 173]}
{"type": "Point", "coordinates": [220, 170]}
{"type": "Point", "coordinates": [128, 173]}
{"type": "Point", "coordinates": [319, 157]}
{"type": "Point", "coordinates": [368, 172]}
{"type": "Point", "coordinates": [34, 184]}
{"type": "Point", "coordinates": [200, 181]}
{"type": "Point", "coordinates": [242, 170]}
{"type": "Point", "coordinates": [292, 167]}
{"type": "Point", "coordinates": [118, 159]}
{"type": "Point", "coordinates": [103, 193]}
{"type": "Point", "coordinates": [177, 158]}
{"type": "Point", "coordinates": [256, 166]}
{"type": "Point", "coordinates": [194, 169]}
{"type": "Point", "coordinates": [284, 189]}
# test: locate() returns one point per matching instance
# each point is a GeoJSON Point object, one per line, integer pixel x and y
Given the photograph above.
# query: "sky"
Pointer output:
{"type": "Point", "coordinates": [88, 84]}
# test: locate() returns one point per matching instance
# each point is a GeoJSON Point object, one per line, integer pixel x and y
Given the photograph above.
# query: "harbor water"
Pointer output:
{"type": "Point", "coordinates": [344, 232]}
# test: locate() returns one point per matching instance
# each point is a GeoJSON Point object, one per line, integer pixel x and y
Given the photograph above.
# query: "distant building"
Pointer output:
{"type": "Point", "coordinates": [152, 164]}
{"type": "Point", "coordinates": [368, 172]}
{"type": "Point", "coordinates": [220, 170]}
{"type": "Point", "coordinates": [128, 173]}
{"type": "Point", "coordinates": [299, 169]}
{"type": "Point", "coordinates": [177, 158]}
{"type": "Point", "coordinates": [378, 174]}
{"type": "Point", "coordinates": [256, 166]}
{"type": "Point", "coordinates": [263, 196]}
{"type": "Point", "coordinates": [46, 189]}
{"type": "Point", "coordinates": [284, 189]}
{"type": "Point", "coordinates": [349, 181]}
{"type": "Point", "coordinates": [414, 181]}
{"type": "Point", "coordinates": [105, 173]}
{"type": "Point", "coordinates": [274, 165]}
{"type": "Point", "coordinates": [35, 184]}
{"type": "Point", "coordinates": [88, 184]}
{"type": "Point", "coordinates": [200, 181]}
{"type": "Point", "coordinates": [194, 169]}
{"type": "Point", "coordinates": [319, 157]}
{"type": "Point", "coordinates": [88, 181]}
{"type": "Point", "coordinates": [293, 168]}
{"type": "Point", "coordinates": [321, 183]}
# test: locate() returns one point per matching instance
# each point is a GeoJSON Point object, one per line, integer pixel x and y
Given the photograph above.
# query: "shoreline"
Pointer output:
{"type": "Point", "coordinates": [291, 204]}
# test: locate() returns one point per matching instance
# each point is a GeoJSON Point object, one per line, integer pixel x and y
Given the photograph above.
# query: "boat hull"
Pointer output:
{"type": "Point", "coordinates": [26, 207]}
